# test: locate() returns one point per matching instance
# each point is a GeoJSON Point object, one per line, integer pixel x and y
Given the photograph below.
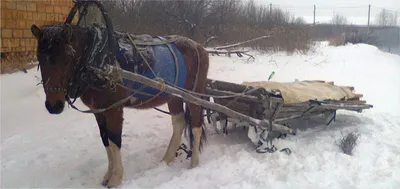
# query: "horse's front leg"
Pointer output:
{"type": "Point", "coordinates": [110, 125]}
{"type": "Point", "coordinates": [101, 121]}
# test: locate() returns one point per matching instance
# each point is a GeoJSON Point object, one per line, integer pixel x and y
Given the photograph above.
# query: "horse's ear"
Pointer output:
{"type": "Point", "coordinates": [67, 32]}
{"type": "Point", "coordinates": [36, 31]}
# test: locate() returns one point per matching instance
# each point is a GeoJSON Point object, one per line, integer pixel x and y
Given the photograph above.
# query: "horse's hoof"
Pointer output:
{"type": "Point", "coordinates": [194, 163]}
{"type": "Point", "coordinates": [106, 178]}
{"type": "Point", "coordinates": [192, 166]}
{"type": "Point", "coordinates": [104, 183]}
{"type": "Point", "coordinates": [168, 161]}
{"type": "Point", "coordinates": [114, 181]}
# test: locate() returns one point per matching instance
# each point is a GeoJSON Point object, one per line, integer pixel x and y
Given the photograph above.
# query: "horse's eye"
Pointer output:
{"type": "Point", "coordinates": [41, 57]}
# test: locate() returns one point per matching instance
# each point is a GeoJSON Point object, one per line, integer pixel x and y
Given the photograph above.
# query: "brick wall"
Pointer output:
{"type": "Point", "coordinates": [17, 42]}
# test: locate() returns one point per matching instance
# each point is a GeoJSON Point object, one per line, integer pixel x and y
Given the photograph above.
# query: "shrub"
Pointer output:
{"type": "Point", "coordinates": [348, 142]}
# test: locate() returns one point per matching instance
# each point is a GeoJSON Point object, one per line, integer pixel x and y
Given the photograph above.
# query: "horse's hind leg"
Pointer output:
{"type": "Point", "coordinates": [197, 131]}
{"type": "Point", "coordinates": [175, 107]}
{"type": "Point", "coordinates": [196, 112]}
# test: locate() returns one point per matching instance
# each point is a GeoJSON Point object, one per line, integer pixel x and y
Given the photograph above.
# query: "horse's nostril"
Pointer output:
{"type": "Point", "coordinates": [59, 105]}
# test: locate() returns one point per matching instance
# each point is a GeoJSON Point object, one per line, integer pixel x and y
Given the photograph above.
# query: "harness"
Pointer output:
{"type": "Point", "coordinates": [96, 72]}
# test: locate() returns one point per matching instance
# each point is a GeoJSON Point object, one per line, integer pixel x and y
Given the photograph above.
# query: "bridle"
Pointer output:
{"type": "Point", "coordinates": [73, 82]}
{"type": "Point", "coordinates": [68, 81]}
{"type": "Point", "coordinates": [56, 89]}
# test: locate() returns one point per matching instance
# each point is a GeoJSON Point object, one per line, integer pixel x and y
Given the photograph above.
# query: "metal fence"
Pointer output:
{"type": "Point", "coordinates": [388, 37]}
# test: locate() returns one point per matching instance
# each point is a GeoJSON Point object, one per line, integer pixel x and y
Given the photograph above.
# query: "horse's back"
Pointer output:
{"type": "Point", "coordinates": [165, 60]}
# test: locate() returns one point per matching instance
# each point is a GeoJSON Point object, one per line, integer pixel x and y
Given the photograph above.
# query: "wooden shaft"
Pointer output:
{"type": "Point", "coordinates": [195, 100]}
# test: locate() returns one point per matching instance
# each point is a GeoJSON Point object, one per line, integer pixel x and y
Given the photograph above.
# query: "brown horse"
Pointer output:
{"type": "Point", "coordinates": [60, 51]}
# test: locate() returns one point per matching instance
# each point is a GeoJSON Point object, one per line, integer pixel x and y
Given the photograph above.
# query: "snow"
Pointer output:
{"type": "Point", "coordinates": [65, 151]}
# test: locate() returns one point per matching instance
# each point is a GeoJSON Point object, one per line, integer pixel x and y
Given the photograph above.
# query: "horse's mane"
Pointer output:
{"type": "Point", "coordinates": [53, 30]}
{"type": "Point", "coordinates": [52, 36]}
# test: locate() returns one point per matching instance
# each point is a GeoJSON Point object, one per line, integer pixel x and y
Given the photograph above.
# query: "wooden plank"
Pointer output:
{"type": "Point", "coordinates": [297, 116]}
{"type": "Point", "coordinates": [294, 109]}
{"type": "Point", "coordinates": [242, 97]}
{"type": "Point", "coordinates": [239, 107]}
{"type": "Point", "coordinates": [239, 88]}
{"type": "Point", "coordinates": [349, 87]}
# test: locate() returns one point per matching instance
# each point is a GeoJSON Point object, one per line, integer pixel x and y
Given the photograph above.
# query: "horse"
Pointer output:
{"type": "Point", "coordinates": [61, 54]}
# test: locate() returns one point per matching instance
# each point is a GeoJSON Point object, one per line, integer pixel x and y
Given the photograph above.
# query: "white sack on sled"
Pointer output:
{"type": "Point", "coordinates": [302, 91]}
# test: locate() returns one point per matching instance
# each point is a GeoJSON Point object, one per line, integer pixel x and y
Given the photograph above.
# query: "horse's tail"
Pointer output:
{"type": "Point", "coordinates": [188, 128]}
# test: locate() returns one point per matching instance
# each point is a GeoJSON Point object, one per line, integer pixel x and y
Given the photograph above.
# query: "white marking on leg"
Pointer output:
{"type": "Point", "coordinates": [117, 172]}
{"type": "Point", "coordinates": [132, 100]}
{"type": "Point", "coordinates": [178, 124]}
{"type": "Point", "coordinates": [194, 161]}
{"type": "Point", "coordinates": [107, 176]}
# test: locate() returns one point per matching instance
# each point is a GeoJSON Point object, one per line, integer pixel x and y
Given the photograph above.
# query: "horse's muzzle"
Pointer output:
{"type": "Point", "coordinates": [56, 108]}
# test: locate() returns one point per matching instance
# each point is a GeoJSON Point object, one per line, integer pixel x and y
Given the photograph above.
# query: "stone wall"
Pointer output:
{"type": "Point", "coordinates": [18, 45]}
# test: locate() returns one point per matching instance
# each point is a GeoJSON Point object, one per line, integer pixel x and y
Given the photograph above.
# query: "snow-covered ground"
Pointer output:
{"type": "Point", "coordinates": [65, 151]}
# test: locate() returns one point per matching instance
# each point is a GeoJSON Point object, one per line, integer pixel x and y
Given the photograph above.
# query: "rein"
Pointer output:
{"type": "Point", "coordinates": [112, 43]}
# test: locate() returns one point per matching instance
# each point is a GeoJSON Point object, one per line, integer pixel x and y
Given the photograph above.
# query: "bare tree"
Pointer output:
{"type": "Point", "coordinates": [386, 18]}
{"type": "Point", "coordinates": [339, 19]}
{"type": "Point", "coordinates": [209, 22]}
{"type": "Point", "coordinates": [299, 21]}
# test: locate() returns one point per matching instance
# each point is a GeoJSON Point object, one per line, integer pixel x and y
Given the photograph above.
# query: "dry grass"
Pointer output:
{"type": "Point", "coordinates": [17, 61]}
{"type": "Point", "coordinates": [337, 40]}
{"type": "Point", "coordinates": [348, 142]}
{"type": "Point", "coordinates": [288, 38]}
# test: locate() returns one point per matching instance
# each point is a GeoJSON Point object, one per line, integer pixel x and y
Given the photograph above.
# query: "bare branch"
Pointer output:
{"type": "Point", "coordinates": [240, 43]}
{"type": "Point", "coordinates": [210, 39]}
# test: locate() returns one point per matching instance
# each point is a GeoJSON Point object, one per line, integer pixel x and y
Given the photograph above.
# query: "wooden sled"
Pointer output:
{"type": "Point", "coordinates": [269, 104]}
{"type": "Point", "coordinates": [259, 108]}
{"type": "Point", "coordinates": [265, 103]}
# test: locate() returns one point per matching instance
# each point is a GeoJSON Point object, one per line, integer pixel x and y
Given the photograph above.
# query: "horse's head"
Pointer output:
{"type": "Point", "coordinates": [56, 57]}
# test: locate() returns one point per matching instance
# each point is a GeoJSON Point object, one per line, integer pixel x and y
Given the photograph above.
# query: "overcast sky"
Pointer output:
{"type": "Point", "coordinates": [356, 11]}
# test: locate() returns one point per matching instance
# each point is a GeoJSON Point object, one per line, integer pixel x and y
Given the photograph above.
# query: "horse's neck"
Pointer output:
{"type": "Point", "coordinates": [80, 43]}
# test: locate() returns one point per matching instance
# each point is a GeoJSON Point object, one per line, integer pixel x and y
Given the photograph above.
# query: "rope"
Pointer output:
{"type": "Point", "coordinates": [101, 110]}
{"type": "Point", "coordinates": [162, 89]}
{"type": "Point", "coordinates": [141, 55]}
{"type": "Point", "coordinates": [214, 96]}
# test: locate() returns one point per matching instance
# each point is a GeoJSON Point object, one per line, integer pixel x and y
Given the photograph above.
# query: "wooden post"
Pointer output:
{"type": "Point", "coordinates": [369, 13]}
{"type": "Point", "coordinates": [314, 13]}
{"type": "Point", "coordinates": [270, 9]}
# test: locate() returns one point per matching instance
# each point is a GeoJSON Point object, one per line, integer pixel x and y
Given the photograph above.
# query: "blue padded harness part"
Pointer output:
{"type": "Point", "coordinates": [164, 67]}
